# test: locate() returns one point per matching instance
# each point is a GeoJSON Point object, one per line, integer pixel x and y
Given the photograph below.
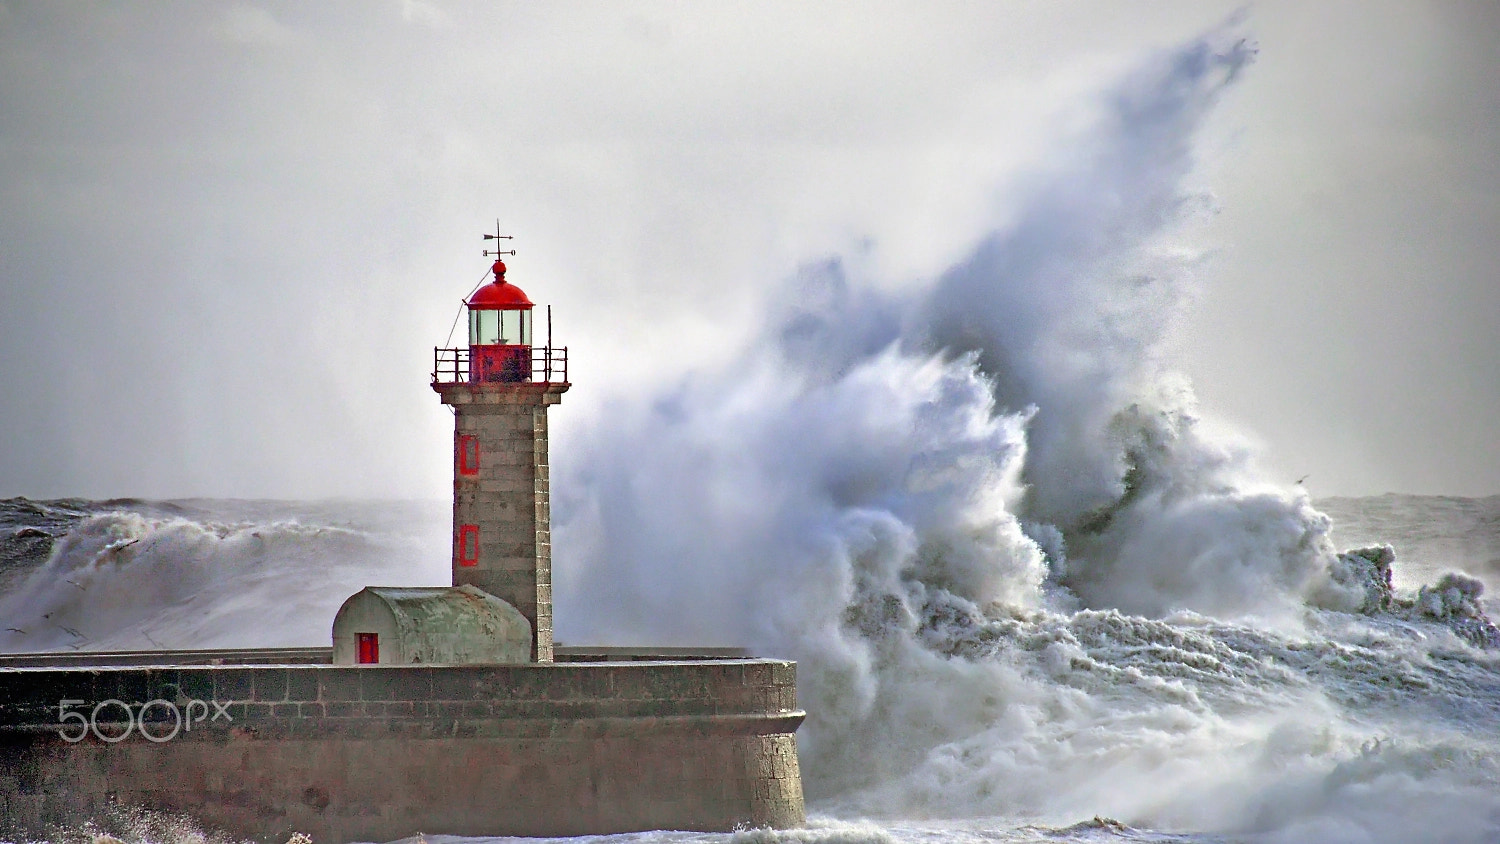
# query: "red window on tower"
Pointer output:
{"type": "Point", "coordinates": [468, 454]}
{"type": "Point", "coordinates": [468, 545]}
{"type": "Point", "coordinates": [369, 648]}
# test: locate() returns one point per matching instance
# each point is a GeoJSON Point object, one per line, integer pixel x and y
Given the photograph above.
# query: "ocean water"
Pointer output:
{"type": "Point", "coordinates": [931, 720]}
{"type": "Point", "coordinates": [1031, 596]}
{"type": "Point", "coordinates": [129, 574]}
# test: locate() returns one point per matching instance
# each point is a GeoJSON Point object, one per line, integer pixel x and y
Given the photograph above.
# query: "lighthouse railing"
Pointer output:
{"type": "Point", "coordinates": [450, 366]}
{"type": "Point", "coordinates": [549, 365]}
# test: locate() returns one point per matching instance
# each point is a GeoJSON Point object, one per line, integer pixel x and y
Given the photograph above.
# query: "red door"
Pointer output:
{"type": "Point", "coordinates": [369, 648]}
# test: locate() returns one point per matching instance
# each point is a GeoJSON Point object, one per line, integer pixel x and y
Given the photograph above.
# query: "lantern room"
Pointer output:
{"type": "Point", "coordinates": [499, 331]}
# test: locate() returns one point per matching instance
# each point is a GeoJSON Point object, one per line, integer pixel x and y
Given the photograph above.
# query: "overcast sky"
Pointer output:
{"type": "Point", "coordinates": [232, 233]}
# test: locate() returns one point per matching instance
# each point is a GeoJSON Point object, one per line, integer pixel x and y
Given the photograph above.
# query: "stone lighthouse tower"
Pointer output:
{"type": "Point", "coordinates": [500, 387]}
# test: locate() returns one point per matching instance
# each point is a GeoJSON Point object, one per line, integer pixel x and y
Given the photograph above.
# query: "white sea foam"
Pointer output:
{"type": "Point", "coordinates": [915, 494]}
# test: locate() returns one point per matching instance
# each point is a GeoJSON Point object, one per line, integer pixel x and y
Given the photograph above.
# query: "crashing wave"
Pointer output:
{"type": "Point", "coordinates": [126, 580]}
{"type": "Point", "coordinates": [1453, 601]}
{"type": "Point", "coordinates": [1018, 574]}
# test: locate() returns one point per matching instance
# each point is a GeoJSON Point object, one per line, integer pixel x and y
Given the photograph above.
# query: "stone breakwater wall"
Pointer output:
{"type": "Point", "coordinates": [347, 753]}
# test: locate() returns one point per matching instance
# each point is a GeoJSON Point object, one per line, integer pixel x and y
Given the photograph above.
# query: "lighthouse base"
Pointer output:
{"type": "Point", "coordinates": [346, 753]}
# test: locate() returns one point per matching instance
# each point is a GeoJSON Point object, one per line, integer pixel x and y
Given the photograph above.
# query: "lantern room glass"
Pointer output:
{"type": "Point", "coordinates": [500, 327]}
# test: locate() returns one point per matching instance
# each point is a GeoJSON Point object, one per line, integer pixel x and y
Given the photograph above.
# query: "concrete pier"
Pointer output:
{"type": "Point", "coordinates": [347, 753]}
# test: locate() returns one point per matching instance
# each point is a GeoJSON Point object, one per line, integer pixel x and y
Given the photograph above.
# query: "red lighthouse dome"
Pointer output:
{"type": "Point", "coordinates": [499, 294]}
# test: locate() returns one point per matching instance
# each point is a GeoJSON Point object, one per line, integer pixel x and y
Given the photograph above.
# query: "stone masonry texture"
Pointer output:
{"type": "Point", "coordinates": [346, 753]}
{"type": "Point", "coordinates": [509, 498]}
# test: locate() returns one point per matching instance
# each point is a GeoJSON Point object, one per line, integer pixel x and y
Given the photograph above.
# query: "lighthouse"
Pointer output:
{"type": "Point", "coordinates": [437, 708]}
{"type": "Point", "coordinates": [499, 387]}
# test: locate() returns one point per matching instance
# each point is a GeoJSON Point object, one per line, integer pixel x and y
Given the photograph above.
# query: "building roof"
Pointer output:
{"type": "Point", "coordinates": [499, 295]}
{"type": "Point", "coordinates": [429, 608]}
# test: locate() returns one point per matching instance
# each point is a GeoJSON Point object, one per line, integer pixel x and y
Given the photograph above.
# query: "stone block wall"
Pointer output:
{"type": "Point", "coordinates": [509, 498]}
{"type": "Point", "coordinates": [348, 753]}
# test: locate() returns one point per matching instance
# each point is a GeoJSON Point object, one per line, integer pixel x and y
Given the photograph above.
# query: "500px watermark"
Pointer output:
{"type": "Point", "coordinates": [181, 718]}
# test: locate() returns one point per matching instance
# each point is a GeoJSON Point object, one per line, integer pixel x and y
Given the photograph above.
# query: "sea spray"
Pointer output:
{"type": "Point", "coordinates": [1019, 577]}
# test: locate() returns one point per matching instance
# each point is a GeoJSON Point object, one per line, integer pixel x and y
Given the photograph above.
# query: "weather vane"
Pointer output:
{"type": "Point", "coordinates": [497, 236]}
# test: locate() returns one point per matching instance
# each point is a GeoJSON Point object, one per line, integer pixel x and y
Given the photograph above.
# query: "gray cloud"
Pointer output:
{"type": "Point", "coordinates": [233, 232]}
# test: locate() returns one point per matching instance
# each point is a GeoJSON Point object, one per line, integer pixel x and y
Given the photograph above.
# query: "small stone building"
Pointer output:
{"type": "Point", "coordinates": [442, 625]}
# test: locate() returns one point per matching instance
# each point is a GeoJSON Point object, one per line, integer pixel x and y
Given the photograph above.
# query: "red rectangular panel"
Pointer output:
{"type": "Point", "coordinates": [468, 454]}
{"type": "Point", "coordinates": [369, 648]}
{"type": "Point", "coordinates": [468, 545]}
